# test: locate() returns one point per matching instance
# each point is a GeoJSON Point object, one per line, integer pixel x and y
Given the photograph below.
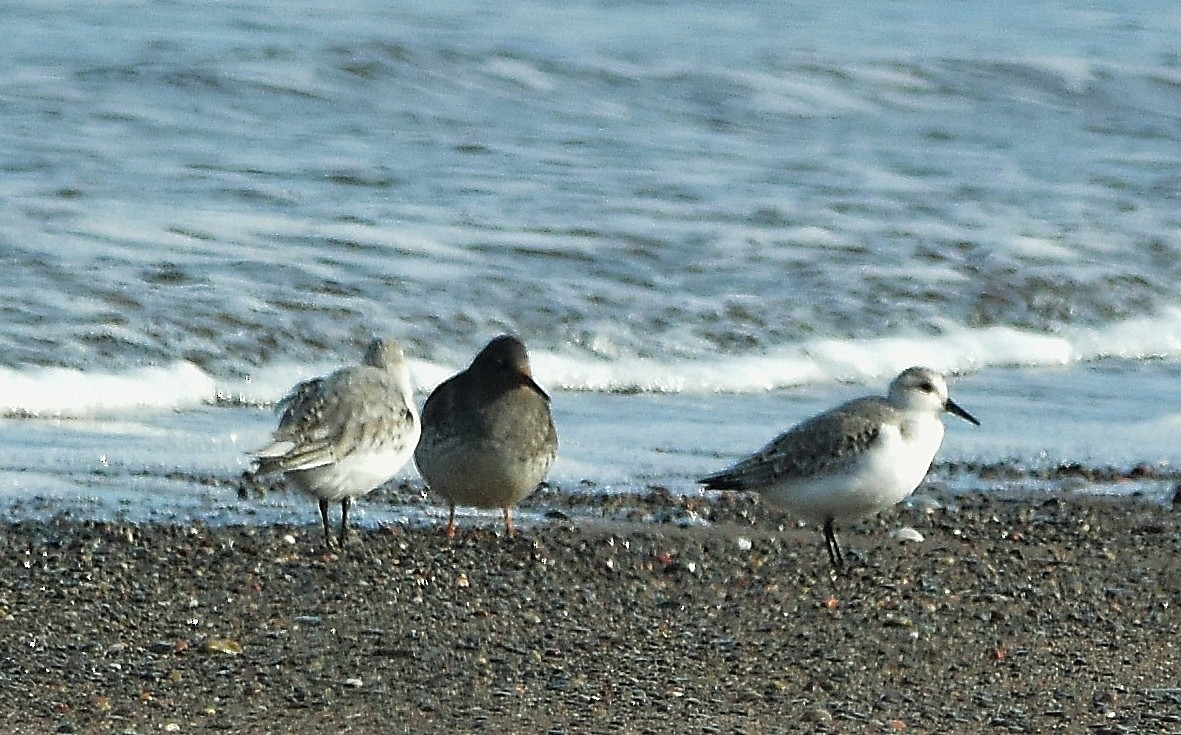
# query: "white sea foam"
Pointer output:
{"type": "Point", "coordinates": [59, 392]}
{"type": "Point", "coordinates": [270, 384]}
{"type": "Point", "coordinates": [62, 392]}
{"type": "Point", "coordinates": [956, 350]}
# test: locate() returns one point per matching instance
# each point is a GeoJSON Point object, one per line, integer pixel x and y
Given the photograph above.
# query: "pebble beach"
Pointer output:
{"type": "Point", "coordinates": [1055, 614]}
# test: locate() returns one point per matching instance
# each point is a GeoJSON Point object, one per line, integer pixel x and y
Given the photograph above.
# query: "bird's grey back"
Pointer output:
{"type": "Point", "coordinates": [325, 418]}
{"type": "Point", "coordinates": [824, 443]}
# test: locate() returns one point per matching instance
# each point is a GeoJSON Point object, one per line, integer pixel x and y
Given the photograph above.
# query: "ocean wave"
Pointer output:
{"type": "Point", "coordinates": [954, 350]}
{"type": "Point", "coordinates": [64, 392]}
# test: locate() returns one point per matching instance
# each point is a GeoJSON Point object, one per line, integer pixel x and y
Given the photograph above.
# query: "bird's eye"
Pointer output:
{"type": "Point", "coordinates": [927, 387]}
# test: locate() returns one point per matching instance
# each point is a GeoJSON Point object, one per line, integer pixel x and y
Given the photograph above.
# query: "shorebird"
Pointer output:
{"type": "Point", "coordinates": [854, 460]}
{"type": "Point", "coordinates": [344, 434]}
{"type": "Point", "coordinates": [487, 434]}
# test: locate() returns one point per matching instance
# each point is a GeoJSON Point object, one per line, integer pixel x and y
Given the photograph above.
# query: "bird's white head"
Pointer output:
{"type": "Point", "coordinates": [923, 389]}
{"type": "Point", "coordinates": [384, 353]}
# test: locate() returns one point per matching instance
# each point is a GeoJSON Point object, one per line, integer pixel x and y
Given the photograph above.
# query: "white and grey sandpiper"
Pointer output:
{"type": "Point", "coordinates": [487, 434]}
{"type": "Point", "coordinates": [344, 434]}
{"type": "Point", "coordinates": [854, 460]}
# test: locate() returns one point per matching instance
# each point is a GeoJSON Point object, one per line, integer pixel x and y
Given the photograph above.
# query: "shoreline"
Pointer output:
{"type": "Point", "coordinates": [1053, 615]}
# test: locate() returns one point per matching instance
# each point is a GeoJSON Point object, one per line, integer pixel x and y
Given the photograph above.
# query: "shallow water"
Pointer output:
{"type": "Point", "coordinates": [185, 467]}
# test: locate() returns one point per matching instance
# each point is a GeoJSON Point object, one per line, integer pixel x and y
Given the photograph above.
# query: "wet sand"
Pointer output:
{"type": "Point", "coordinates": [1056, 615]}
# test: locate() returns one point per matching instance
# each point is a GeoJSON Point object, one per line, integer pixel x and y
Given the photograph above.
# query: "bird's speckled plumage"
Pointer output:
{"type": "Point", "coordinates": [854, 460]}
{"type": "Point", "coordinates": [488, 437]}
{"type": "Point", "coordinates": [343, 434]}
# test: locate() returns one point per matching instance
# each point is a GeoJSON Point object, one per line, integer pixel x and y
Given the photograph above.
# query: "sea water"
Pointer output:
{"type": "Point", "coordinates": [706, 221]}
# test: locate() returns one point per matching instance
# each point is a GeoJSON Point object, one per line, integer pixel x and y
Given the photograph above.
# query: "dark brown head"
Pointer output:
{"type": "Point", "coordinates": [505, 359]}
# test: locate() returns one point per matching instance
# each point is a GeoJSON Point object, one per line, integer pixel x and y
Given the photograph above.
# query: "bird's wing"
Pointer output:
{"type": "Point", "coordinates": [325, 419]}
{"type": "Point", "coordinates": [823, 443]}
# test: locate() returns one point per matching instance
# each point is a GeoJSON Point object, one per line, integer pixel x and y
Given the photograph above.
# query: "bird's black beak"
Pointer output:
{"type": "Point", "coordinates": [953, 407]}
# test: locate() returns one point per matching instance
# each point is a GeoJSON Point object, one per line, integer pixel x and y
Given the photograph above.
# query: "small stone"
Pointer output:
{"type": "Point", "coordinates": [355, 682]}
{"type": "Point", "coordinates": [926, 504]}
{"type": "Point", "coordinates": [743, 543]}
{"type": "Point", "coordinates": [221, 645]}
{"type": "Point", "coordinates": [906, 533]}
{"type": "Point", "coordinates": [558, 683]}
{"type": "Point", "coordinates": [818, 716]}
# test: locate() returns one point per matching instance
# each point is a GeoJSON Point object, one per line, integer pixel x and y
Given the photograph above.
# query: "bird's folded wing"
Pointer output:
{"type": "Point", "coordinates": [325, 419]}
{"type": "Point", "coordinates": [822, 444]}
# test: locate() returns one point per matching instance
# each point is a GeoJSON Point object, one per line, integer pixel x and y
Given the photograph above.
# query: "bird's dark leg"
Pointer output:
{"type": "Point", "coordinates": [345, 502]}
{"type": "Point", "coordinates": [449, 530]}
{"type": "Point", "coordinates": [324, 518]}
{"type": "Point", "coordinates": [508, 522]}
{"type": "Point", "coordinates": [834, 548]}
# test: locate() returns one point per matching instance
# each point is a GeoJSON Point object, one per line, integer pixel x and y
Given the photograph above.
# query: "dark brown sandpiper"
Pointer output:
{"type": "Point", "coordinates": [344, 434]}
{"type": "Point", "coordinates": [487, 434]}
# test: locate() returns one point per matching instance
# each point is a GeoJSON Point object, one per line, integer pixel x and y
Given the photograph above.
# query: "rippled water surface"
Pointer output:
{"type": "Point", "coordinates": [201, 203]}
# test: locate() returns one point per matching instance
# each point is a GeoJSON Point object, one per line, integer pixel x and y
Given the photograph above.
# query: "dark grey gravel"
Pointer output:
{"type": "Point", "coordinates": [1055, 615]}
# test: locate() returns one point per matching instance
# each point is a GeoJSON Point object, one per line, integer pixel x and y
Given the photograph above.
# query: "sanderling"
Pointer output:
{"type": "Point", "coordinates": [854, 460]}
{"type": "Point", "coordinates": [487, 434]}
{"type": "Point", "coordinates": [344, 434]}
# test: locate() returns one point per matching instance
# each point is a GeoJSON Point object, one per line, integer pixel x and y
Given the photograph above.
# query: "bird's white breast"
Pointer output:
{"type": "Point", "coordinates": [354, 475]}
{"type": "Point", "coordinates": [885, 473]}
